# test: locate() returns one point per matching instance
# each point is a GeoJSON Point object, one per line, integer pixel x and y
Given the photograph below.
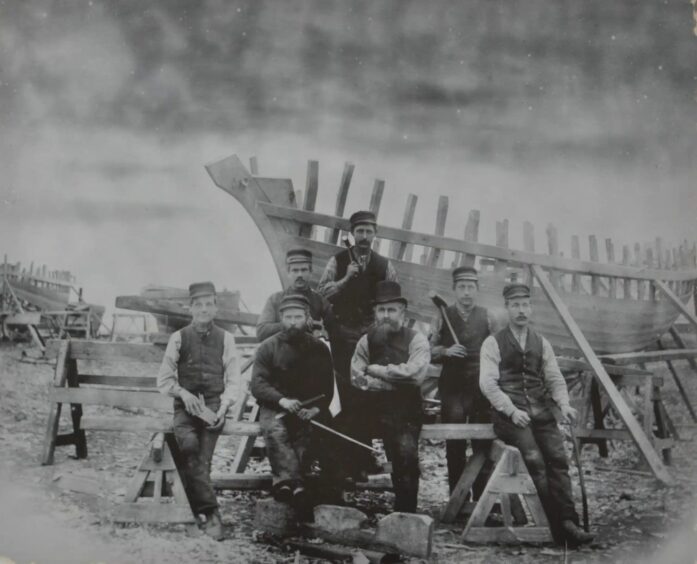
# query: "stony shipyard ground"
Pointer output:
{"type": "Point", "coordinates": [635, 520]}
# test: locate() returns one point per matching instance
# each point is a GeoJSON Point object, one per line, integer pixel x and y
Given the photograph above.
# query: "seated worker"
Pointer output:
{"type": "Point", "coordinates": [387, 369]}
{"type": "Point", "coordinates": [200, 362]}
{"type": "Point", "coordinates": [520, 377]}
{"type": "Point", "coordinates": [299, 270]}
{"type": "Point", "coordinates": [458, 385]}
{"type": "Point", "coordinates": [290, 368]}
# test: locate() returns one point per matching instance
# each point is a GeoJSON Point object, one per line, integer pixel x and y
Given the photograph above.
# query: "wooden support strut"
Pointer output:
{"type": "Point", "coordinates": [640, 438]}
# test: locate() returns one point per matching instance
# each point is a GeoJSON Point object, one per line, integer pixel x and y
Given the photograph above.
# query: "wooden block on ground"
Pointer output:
{"type": "Point", "coordinates": [337, 519]}
{"type": "Point", "coordinates": [410, 532]}
{"type": "Point", "coordinates": [276, 518]}
{"type": "Point", "coordinates": [79, 483]}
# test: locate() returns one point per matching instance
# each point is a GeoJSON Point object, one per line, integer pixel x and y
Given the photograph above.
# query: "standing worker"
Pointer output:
{"type": "Point", "coordinates": [458, 351]}
{"type": "Point", "coordinates": [349, 282]}
{"type": "Point", "coordinates": [387, 369]}
{"type": "Point", "coordinates": [299, 269]}
{"type": "Point", "coordinates": [199, 368]}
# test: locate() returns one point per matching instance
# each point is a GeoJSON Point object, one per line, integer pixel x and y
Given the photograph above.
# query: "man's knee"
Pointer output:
{"type": "Point", "coordinates": [188, 443]}
{"type": "Point", "coordinates": [533, 459]}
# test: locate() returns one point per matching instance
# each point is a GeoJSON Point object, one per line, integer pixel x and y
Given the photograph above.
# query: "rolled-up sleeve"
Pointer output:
{"type": "Point", "coordinates": [328, 286]}
{"type": "Point", "coordinates": [167, 380]}
{"type": "Point", "coordinates": [489, 375]}
{"type": "Point", "coordinates": [413, 371]}
{"type": "Point", "coordinates": [554, 380]}
{"type": "Point", "coordinates": [437, 349]}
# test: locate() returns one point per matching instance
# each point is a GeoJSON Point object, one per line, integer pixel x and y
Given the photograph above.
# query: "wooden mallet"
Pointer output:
{"type": "Point", "coordinates": [441, 304]}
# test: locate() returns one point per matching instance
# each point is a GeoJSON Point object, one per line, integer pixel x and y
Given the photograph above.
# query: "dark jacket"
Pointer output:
{"type": "Point", "coordinates": [294, 370]}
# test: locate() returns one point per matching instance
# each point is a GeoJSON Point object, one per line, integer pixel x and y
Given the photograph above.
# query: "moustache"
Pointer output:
{"type": "Point", "coordinates": [363, 244]}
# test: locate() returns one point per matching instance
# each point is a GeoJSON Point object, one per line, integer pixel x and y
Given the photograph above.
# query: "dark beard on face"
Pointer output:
{"type": "Point", "coordinates": [383, 329]}
{"type": "Point", "coordinates": [294, 335]}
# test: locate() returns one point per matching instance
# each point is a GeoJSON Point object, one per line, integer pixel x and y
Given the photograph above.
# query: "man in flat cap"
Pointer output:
{"type": "Point", "coordinates": [387, 369]}
{"type": "Point", "coordinates": [461, 398]}
{"type": "Point", "coordinates": [299, 268]}
{"type": "Point", "coordinates": [520, 377]}
{"type": "Point", "coordinates": [199, 369]}
{"type": "Point", "coordinates": [293, 381]}
{"type": "Point", "coordinates": [349, 282]}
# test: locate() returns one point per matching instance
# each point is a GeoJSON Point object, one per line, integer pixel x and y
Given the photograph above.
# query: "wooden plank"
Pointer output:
{"type": "Point", "coordinates": [125, 381]}
{"type": "Point", "coordinates": [462, 488]}
{"type": "Point", "coordinates": [626, 283]}
{"type": "Point", "coordinates": [435, 254]}
{"type": "Point", "coordinates": [563, 264]}
{"type": "Point", "coordinates": [641, 286]}
{"type": "Point", "coordinates": [641, 440]}
{"type": "Point", "coordinates": [125, 352]}
{"type": "Point", "coordinates": [399, 249]}
{"type": "Point", "coordinates": [254, 166]}
{"type": "Point", "coordinates": [593, 252]}
{"type": "Point", "coordinates": [680, 342]}
{"type": "Point", "coordinates": [610, 252]}
{"type": "Point", "coordinates": [605, 434]}
{"type": "Point", "coordinates": [228, 481]}
{"type": "Point", "coordinates": [553, 251]}
{"type": "Point", "coordinates": [147, 512]}
{"type": "Point", "coordinates": [472, 236]}
{"type": "Point", "coordinates": [650, 263]}
{"type": "Point", "coordinates": [649, 356]}
{"type": "Point", "coordinates": [113, 398]}
{"type": "Point", "coordinates": [333, 235]}
{"type": "Point", "coordinates": [376, 196]}
{"type": "Point", "coordinates": [54, 413]}
{"type": "Point", "coordinates": [501, 241]}
{"type": "Point", "coordinates": [450, 431]}
{"type": "Point", "coordinates": [575, 254]}
{"type": "Point", "coordinates": [246, 444]}
{"type": "Point", "coordinates": [311, 188]}
{"type": "Point", "coordinates": [151, 424]}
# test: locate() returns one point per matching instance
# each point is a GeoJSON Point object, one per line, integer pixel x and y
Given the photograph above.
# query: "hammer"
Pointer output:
{"type": "Point", "coordinates": [441, 304]}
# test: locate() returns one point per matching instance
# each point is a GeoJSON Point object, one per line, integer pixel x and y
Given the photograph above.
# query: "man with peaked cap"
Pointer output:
{"type": "Point", "coordinates": [299, 268]}
{"type": "Point", "coordinates": [349, 282]}
{"type": "Point", "coordinates": [199, 368]}
{"type": "Point", "coordinates": [387, 369]}
{"type": "Point", "coordinates": [290, 368]}
{"type": "Point", "coordinates": [461, 399]}
{"type": "Point", "coordinates": [520, 377]}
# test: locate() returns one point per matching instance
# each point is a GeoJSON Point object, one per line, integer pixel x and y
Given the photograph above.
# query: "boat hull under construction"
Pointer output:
{"type": "Point", "coordinates": [615, 305]}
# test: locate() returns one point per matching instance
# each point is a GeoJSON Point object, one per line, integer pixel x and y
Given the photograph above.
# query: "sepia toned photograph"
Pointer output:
{"type": "Point", "coordinates": [317, 281]}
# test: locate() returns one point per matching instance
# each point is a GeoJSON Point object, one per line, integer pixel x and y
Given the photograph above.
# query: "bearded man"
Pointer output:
{"type": "Point", "coordinates": [387, 369]}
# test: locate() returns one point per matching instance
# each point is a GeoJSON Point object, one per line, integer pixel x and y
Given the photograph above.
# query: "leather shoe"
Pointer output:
{"type": "Point", "coordinates": [214, 527]}
{"type": "Point", "coordinates": [574, 534]}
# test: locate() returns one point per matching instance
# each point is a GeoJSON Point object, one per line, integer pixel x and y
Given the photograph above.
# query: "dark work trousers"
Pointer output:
{"type": "Point", "coordinates": [464, 405]}
{"type": "Point", "coordinates": [542, 446]}
{"type": "Point", "coordinates": [292, 445]}
{"type": "Point", "coordinates": [386, 416]}
{"type": "Point", "coordinates": [356, 459]}
{"type": "Point", "coordinates": [197, 443]}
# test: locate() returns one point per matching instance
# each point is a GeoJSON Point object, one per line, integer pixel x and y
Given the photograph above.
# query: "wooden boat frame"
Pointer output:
{"type": "Point", "coordinates": [584, 307]}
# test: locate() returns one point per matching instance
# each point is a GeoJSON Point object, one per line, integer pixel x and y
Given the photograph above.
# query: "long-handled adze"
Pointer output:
{"type": "Point", "coordinates": [441, 304]}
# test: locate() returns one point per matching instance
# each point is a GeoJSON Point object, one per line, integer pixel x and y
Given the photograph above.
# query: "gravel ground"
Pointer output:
{"type": "Point", "coordinates": [635, 520]}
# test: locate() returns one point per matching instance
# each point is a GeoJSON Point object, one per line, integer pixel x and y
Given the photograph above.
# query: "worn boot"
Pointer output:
{"type": "Point", "coordinates": [574, 534]}
{"type": "Point", "coordinates": [214, 526]}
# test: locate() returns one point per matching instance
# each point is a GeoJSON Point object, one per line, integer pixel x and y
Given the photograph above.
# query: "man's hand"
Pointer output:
{"type": "Point", "coordinates": [306, 414]}
{"type": "Point", "coordinates": [192, 404]}
{"type": "Point", "coordinates": [220, 417]}
{"type": "Point", "coordinates": [352, 270]}
{"type": "Point", "coordinates": [376, 371]}
{"type": "Point", "coordinates": [456, 351]}
{"type": "Point", "coordinates": [290, 405]}
{"type": "Point", "coordinates": [568, 414]}
{"type": "Point", "coordinates": [520, 418]}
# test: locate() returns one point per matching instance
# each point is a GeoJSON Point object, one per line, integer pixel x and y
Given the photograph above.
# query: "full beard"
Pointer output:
{"type": "Point", "coordinates": [294, 335]}
{"type": "Point", "coordinates": [383, 329]}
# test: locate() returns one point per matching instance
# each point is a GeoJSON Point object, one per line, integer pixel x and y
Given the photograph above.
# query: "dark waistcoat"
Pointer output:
{"type": "Point", "coordinates": [521, 376]}
{"type": "Point", "coordinates": [464, 372]}
{"type": "Point", "coordinates": [405, 401]}
{"type": "Point", "coordinates": [353, 306]}
{"type": "Point", "coordinates": [200, 367]}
